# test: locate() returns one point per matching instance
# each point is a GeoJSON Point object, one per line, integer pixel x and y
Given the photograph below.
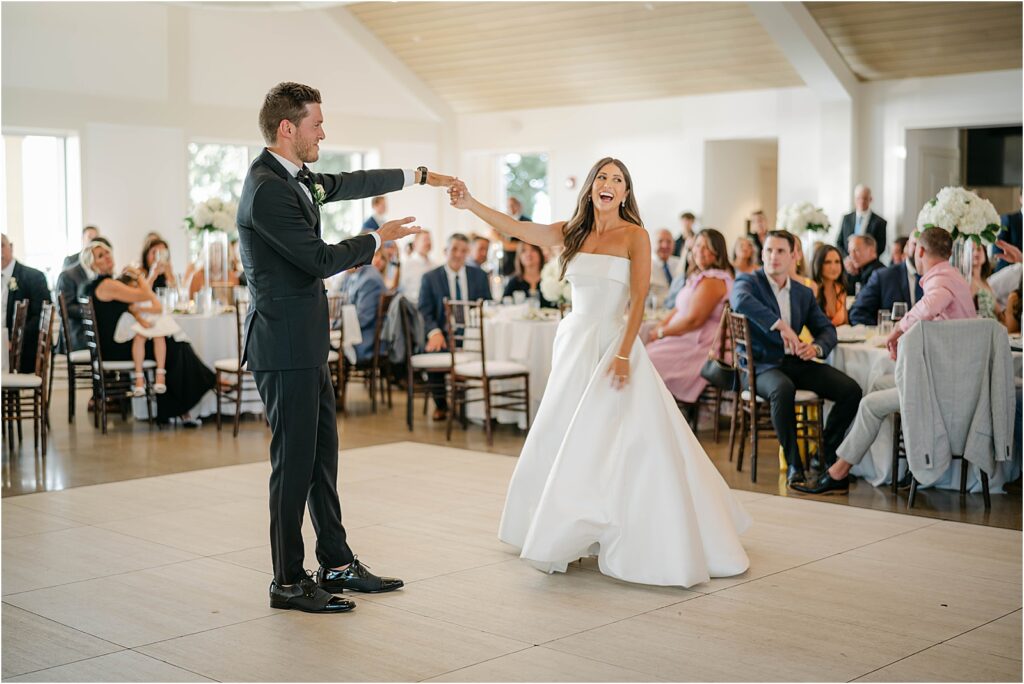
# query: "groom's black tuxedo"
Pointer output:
{"type": "Point", "coordinates": [286, 345]}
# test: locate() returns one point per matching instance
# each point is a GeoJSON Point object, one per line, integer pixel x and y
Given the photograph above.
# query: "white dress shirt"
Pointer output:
{"type": "Point", "coordinates": [785, 308]}
{"type": "Point", "coordinates": [660, 285]}
{"type": "Point", "coordinates": [414, 267]}
{"type": "Point", "coordinates": [291, 168]}
{"type": "Point", "coordinates": [1004, 281]}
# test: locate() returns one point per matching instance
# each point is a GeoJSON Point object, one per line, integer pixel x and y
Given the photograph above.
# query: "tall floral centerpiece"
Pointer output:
{"type": "Point", "coordinates": [554, 290]}
{"type": "Point", "coordinates": [971, 220]}
{"type": "Point", "coordinates": [212, 220]}
{"type": "Point", "coordinates": [806, 221]}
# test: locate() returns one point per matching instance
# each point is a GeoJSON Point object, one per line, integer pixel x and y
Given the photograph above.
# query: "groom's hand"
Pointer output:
{"type": "Point", "coordinates": [398, 229]}
{"type": "Point", "coordinates": [436, 180]}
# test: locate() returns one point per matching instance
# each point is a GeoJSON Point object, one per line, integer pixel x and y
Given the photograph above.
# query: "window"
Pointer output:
{"type": "Point", "coordinates": [218, 170]}
{"type": "Point", "coordinates": [526, 178]}
{"type": "Point", "coordinates": [42, 199]}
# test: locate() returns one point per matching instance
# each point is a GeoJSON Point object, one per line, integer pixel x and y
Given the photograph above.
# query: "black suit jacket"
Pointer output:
{"type": "Point", "coordinates": [70, 282]}
{"type": "Point", "coordinates": [71, 260]}
{"type": "Point", "coordinates": [285, 261]}
{"type": "Point", "coordinates": [1011, 232]}
{"type": "Point", "coordinates": [434, 289]}
{"type": "Point", "coordinates": [31, 286]}
{"type": "Point", "coordinates": [884, 287]}
{"type": "Point", "coordinates": [863, 277]}
{"type": "Point", "coordinates": [876, 229]}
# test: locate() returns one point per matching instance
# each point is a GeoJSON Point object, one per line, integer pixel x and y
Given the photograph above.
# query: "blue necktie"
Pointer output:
{"type": "Point", "coordinates": [856, 226]}
{"type": "Point", "coordinates": [668, 273]}
{"type": "Point", "coordinates": [458, 288]}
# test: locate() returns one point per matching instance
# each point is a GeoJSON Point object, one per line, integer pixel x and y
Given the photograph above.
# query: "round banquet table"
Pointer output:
{"type": "Point", "coordinates": [525, 341]}
{"type": "Point", "coordinates": [866, 364]}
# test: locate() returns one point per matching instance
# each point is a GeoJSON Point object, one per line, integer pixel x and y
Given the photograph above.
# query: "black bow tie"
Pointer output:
{"type": "Point", "coordinates": [305, 177]}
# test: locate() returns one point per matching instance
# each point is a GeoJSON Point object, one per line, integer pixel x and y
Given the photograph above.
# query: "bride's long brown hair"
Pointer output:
{"type": "Point", "coordinates": [578, 228]}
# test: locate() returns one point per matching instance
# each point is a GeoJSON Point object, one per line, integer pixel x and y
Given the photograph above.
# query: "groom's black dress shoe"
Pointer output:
{"type": "Point", "coordinates": [795, 475]}
{"type": "Point", "coordinates": [305, 595]}
{"type": "Point", "coordinates": [355, 577]}
{"type": "Point", "coordinates": [825, 485]}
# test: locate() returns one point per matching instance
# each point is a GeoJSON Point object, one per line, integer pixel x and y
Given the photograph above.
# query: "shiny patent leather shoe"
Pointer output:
{"type": "Point", "coordinates": [355, 577]}
{"type": "Point", "coordinates": [795, 475]}
{"type": "Point", "coordinates": [826, 484]}
{"type": "Point", "coordinates": [306, 596]}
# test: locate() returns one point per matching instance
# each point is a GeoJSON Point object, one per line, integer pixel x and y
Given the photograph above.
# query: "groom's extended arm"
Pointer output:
{"type": "Point", "coordinates": [362, 184]}
{"type": "Point", "coordinates": [277, 218]}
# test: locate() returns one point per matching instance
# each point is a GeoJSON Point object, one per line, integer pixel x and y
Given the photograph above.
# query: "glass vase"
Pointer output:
{"type": "Point", "coordinates": [215, 258]}
{"type": "Point", "coordinates": [962, 257]}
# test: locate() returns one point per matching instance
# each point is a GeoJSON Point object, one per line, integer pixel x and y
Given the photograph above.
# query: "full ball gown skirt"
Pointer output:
{"type": "Point", "coordinates": [614, 472]}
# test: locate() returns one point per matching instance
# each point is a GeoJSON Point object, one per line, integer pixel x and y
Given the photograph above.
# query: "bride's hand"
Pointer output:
{"type": "Point", "coordinates": [458, 194]}
{"type": "Point", "coordinates": [619, 370]}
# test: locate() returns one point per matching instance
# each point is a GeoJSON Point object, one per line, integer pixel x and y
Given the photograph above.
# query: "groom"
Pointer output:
{"type": "Point", "coordinates": [286, 338]}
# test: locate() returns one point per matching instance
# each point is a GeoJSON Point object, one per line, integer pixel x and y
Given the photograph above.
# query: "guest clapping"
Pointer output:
{"type": "Point", "coordinates": [830, 279]}
{"type": "Point", "coordinates": [526, 278]}
{"type": "Point", "coordinates": [678, 345]}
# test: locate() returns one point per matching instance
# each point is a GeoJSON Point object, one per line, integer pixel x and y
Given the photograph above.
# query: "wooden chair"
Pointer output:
{"type": "Point", "coordinates": [335, 306]}
{"type": "Point", "coordinates": [377, 369]}
{"type": "Point", "coordinates": [78, 363]}
{"type": "Point", "coordinates": [753, 412]}
{"type": "Point", "coordinates": [17, 335]}
{"type": "Point", "coordinates": [28, 392]}
{"type": "Point", "coordinates": [712, 396]}
{"type": "Point", "coordinates": [466, 334]}
{"type": "Point", "coordinates": [231, 377]}
{"type": "Point", "coordinates": [111, 380]}
{"type": "Point", "coordinates": [899, 451]}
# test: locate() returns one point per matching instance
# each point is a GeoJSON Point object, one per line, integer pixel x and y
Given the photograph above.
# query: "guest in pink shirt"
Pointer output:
{"type": "Point", "coordinates": [947, 296]}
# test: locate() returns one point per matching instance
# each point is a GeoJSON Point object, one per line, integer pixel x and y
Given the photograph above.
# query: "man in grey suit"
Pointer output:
{"type": "Point", "coordinates": [861, 221]}
{"type": "Point", "coordinates": [287, 338]}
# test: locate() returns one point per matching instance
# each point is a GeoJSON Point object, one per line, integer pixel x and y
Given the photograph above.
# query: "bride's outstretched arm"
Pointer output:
{"type": "Point", "coordinates": [540, 234]}
{"type": "Point", "coordinates": [639, 283]}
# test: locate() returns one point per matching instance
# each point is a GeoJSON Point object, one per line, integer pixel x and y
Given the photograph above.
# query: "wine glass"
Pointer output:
{"type": "Point", "coordinates": [899, 310]}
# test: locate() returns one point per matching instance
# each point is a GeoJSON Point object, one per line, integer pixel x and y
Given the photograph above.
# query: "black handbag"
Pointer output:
{"type": "Point", "coordinates": [717, 372]}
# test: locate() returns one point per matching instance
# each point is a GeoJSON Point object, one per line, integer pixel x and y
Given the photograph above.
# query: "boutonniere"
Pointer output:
{"type": "Point", "coordinates": [319, 194]}
{"type": "Point", "coordinates": [12, 285]}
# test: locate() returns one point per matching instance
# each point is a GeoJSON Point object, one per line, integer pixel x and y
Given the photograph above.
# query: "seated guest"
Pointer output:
{"type": "Point", "coordinates": [1011, 313]}
{"type": "Point", "coordinates": [186, 378]}
{"type": "Point", "coordinates": [664, 267]}
{"type": "Point", "coordinates": [156, 264]}
{"type": "Point", "coordinates": [23, 283]}
{"type": "Point", "coordinates": [861, 261]}
{"type": "Point", "coordinates": [479, 246]}
{"type": "Point", "coordinates": [1004, 281]}
{"type": "Point", "coordinates": [897, 283]}
{"type": "Point", "coordinates": [899, 247]}
{"type": "Point", "coordinates": [830, 280]}
{"type": "Point", "coordinates": [69, 282]}
{"type": "Point", "coordinates": [679, 344]}
{"type": "Point", "coordinates": [1010, 233]}
{"type": "Point", "coordinates": [526, 278]}
{"type": "Point", "coordinates": [416, 265]}
{"type": "Point", "coordinates": [744, 258]}
{"type": "Point", "coordinates": [455, 281]}
{"type": "Point", "coordinates": [798, 271]}
{"type": "Point", "coordinates": [984, 298]}
{"type": "Point", "coordinates": [89, 233]}
{"type": "Point", "coordinates": [392, 265]}
{"type": "Point", "coordinates": [777, 307]}
{"type": "Point", "coordinates": [947, 297]}
{"type": "Point", "coordinates": [379, 205]}
{"type": "Point", "coordinates": [365, 286]}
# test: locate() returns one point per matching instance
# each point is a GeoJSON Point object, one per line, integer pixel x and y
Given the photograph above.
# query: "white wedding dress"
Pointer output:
{"type": "Point", "coordinates": [617, 473]}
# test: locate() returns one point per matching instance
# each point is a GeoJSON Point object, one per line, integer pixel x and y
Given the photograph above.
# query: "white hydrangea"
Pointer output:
{"type": "Point", "coordinates": [799, 217]}
{"type": "Point", "coordinates": [553, 289]}
{"type": "Point", "coordinates": [961, 212]}
{"type": "Point", "coordinates": [213, 214]}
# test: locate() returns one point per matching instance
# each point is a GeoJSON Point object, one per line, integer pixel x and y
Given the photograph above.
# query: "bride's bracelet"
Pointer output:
{"type": "Point", "coordinates": [622, 358]}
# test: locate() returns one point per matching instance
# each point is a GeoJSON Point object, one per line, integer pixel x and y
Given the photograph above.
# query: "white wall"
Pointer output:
{"type": "Point", "coordinates": [735, 183]}
{"type": "Point", "coordinates": [139, 81]}
{"type": "Point", "coordinates": [661, 141]}
{"type": "Point", "coordinates": [931, 153]}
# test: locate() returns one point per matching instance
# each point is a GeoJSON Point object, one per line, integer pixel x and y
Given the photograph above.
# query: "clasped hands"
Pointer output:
{"type": "Point", "coordinates": [794, 345]}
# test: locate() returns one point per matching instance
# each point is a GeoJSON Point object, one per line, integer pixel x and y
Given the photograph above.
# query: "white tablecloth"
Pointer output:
{"type": "Point", "coordinates": [528, 342]}
{"type": "Point", "coordinates": [866, 363]}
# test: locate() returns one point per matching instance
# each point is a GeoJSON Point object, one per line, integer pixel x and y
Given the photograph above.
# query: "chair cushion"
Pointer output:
{"type": "Point", "coordinates": [80, 356]}
{"type": "Point", "coordinates": [21, 381]}
{"type": "Point", "coordinates": [495, 369]}
{"type": "Point", "coordinates": [801, 395]}
{"type": "Point", "coordinates": [229, 365]}
{"type": "Point", "coordinates": [126, 365]}
{"type": "Point", "coordinates": [332, 356]}
{"type": "Point", "coordinates": [439, 360]}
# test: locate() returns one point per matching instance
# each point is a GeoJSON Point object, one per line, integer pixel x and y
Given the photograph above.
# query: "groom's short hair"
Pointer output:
{"type": "Point", "coordinates": [285, 101]}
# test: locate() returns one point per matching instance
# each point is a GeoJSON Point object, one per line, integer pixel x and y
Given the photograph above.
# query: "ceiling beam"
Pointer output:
{"type": "Point", "coordinates": [807, 48]}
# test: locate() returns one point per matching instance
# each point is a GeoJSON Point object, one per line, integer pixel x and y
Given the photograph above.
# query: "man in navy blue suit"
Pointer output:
{"type": "Point", "coordinates": [456, 281]}
{"type": "Point", "coordinates": [778, 308]}
{"type": "Point", "coordinates": [379, 204]}
{"type": "Point", "coordinates": [1011, 233]}
{"type": "Point", "coordinates": [365, 286]}
{"type": "Point", "coordinates": [897, 283]}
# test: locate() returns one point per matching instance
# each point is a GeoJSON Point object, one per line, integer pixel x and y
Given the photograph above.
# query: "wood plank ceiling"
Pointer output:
{"type": "Point", "coordinates": [491, 56]}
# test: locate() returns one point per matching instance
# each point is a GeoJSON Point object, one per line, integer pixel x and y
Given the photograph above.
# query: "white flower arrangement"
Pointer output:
{"type": "Point", "coordinates": [962, 213]}
{"type": "Point", "coordinates": [213, 214]}
{"type": "Point", "coordinates": [319, 195]}
{"type": "Point", "coordinates": [799, 217]}
{"type": "Point", "coordinates": [554, 290]}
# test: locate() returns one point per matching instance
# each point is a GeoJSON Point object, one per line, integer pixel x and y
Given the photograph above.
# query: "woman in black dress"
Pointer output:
{"type": "Point", "coordinates": [156, 264]}
{"type": "Point", "coordinates": [187, 378]}
{"type": "Point", "coordinates": [529, 262]}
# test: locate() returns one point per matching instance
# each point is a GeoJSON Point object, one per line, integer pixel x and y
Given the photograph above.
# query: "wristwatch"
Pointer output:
{"type": "Point", "coordinates": [423, 174]}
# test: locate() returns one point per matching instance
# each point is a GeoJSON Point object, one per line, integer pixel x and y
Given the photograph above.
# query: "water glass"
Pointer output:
{"type": "Point", "coordinates": [533, 303]}
{"type": "Point", "coordinates": [899, 310]}
{"type": "Point", "coordinates": [518, 297]}
{"type": "Point", "coordinates": [884, 322]}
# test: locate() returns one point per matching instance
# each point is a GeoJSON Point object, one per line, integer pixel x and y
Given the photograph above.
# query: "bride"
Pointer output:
{"type": "Point", "coordinates": [610, 466]}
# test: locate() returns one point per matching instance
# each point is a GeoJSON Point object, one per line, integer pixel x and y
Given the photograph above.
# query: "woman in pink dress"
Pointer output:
{"type": "Point", "coordinates": [679, 344]}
